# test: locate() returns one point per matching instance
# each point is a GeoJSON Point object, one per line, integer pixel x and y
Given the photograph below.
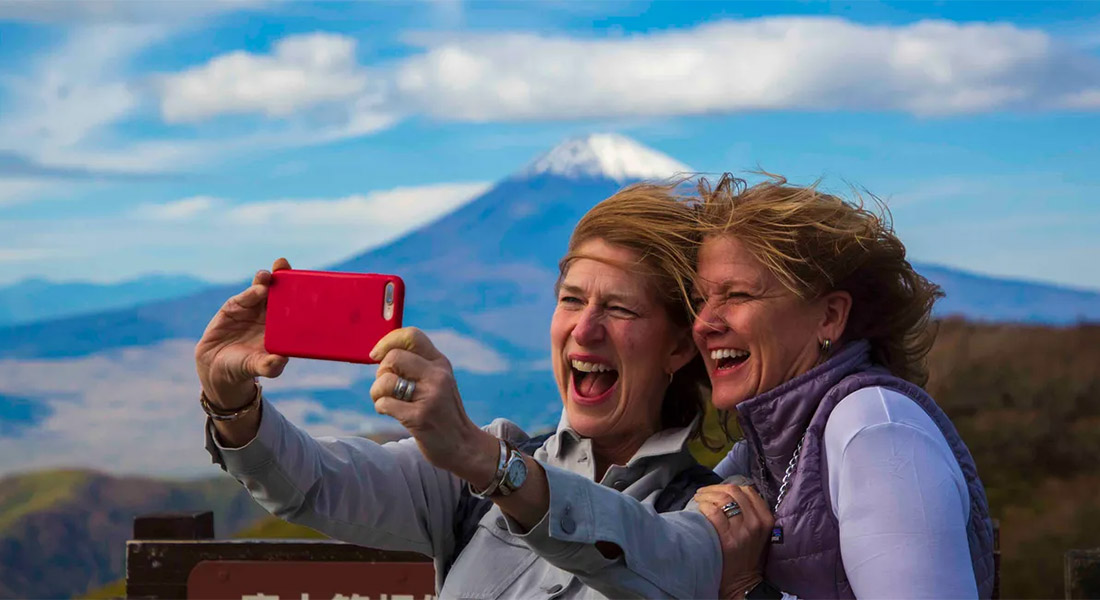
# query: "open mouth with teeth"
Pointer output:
{"type": "Point", "coordinates": [728, 359]}
{"type": "Point", "coordinates": [593, 382]}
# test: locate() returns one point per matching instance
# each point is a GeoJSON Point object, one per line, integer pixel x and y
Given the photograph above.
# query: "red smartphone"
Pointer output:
{"type": "Point", "coordinates": [329, 315]}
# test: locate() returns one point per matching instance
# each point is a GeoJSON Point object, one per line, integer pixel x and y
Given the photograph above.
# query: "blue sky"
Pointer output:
{"type": "Point", "coordinates": [209, 138]}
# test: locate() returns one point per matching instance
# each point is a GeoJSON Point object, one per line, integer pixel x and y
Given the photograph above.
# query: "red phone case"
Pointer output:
{"type": "Point", "coordinates": [329, 315]}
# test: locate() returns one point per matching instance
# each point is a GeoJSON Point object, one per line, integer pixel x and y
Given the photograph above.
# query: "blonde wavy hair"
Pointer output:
{"type": "Point", "coordinates": [816, 243]}
{"type": "Point", "coordinates": [652, 220]}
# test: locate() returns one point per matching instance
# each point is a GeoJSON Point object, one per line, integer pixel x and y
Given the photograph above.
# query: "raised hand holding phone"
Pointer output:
{"type": "Point", "coordinates": [231, 353]}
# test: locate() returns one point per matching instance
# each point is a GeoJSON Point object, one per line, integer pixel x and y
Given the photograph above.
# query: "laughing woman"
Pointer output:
{"type": "Point", "coordinates": [814, 329]}
{"type": "Point", "coordinates": [590, 512]}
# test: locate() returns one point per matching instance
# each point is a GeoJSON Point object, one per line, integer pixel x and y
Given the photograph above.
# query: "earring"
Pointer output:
{"type": "Point", "coordinates": [670, 376]}
{"type": "Point", "coordinates": [826, 346]}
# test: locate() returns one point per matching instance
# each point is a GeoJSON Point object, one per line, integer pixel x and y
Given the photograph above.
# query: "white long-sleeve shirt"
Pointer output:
{"type": "Point", "coordinates": [899, 496]}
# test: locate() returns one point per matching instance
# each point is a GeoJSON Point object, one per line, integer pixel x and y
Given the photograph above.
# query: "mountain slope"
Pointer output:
{"type": "Point", "coordinates": [64, 531]}
{"type": "Point", "coordinates": [38, 299]}
{"type": "Point", "coordinates": [481, 271]}
{"type": "Point", "coordinates": [987, 298]}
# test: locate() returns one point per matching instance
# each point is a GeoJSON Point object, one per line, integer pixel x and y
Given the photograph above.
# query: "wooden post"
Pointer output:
{"type": "Point", "coordinates": [996, 560]}
{"type": "Point", "coordinates": [1082, 574]}
{"type": "Point", "coordinates": [197, 525]}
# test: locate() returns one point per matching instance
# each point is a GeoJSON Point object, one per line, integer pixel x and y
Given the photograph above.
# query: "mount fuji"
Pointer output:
{"type": "Point", "coordinates": [487, 269]}
{"type": "Point", "coordinates": [479, 280]}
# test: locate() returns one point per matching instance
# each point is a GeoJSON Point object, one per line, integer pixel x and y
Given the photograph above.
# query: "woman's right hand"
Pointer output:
{"type": "Point", "coordinates": [231, 353]}
{"type": "Point", "coordinates": [744, 537]}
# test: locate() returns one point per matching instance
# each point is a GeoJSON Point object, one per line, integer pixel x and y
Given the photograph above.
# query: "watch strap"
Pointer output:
{"type": "Point", "coordinates": [498, 477]}
{"type": "Point", "coordinates": [507, 486]}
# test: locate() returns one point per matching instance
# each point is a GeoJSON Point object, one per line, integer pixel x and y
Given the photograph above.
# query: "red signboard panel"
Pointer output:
{"type": "Point", "coordinates": [311, 580]}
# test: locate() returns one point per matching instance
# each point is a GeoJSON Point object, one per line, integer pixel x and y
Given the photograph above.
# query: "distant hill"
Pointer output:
{"type": "Point", "coordinates": [38, 299]}
{"type": "Point", "coordinates": [64, 531]}
{"type": "Point", "coordinates": [986, 298]}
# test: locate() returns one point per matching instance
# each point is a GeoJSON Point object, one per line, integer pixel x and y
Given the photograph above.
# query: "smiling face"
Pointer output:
{"type": "Point", "coordinates": [753, 332]}
{"type": "Point", "coordinates": [613, 346]}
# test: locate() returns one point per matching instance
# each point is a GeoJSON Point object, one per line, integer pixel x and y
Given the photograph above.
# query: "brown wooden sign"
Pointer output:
{"type": "Point", "coordinates": [308, 580]}
{"type": "Point", "coordinates": [161, 568]}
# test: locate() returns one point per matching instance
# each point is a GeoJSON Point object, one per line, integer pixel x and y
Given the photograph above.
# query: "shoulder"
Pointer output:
{"type": "Point", "coordinates": [507, 430]}
{"type": "Point", "coordinates": [876, 405]}
{"type": "Point", "coordinates": [876, 415]}
{"type": "Point", "coordinates": [879, 430]}
{"type": "Point", "coordinates": [736, 462]}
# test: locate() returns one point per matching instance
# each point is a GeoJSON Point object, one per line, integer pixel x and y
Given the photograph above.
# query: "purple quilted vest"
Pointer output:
{"type": "Point", "coordinates": [808, 563]}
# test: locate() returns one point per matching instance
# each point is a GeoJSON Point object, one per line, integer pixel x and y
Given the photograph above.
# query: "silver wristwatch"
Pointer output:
{"type": "Point", "coordinates": [515, 472]}
{"type": "Point", "coordinates": [510, 475]}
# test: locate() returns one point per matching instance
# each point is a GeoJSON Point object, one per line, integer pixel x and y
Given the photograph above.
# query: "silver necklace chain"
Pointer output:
{"type": "Point", "coordinates": [787, 476]}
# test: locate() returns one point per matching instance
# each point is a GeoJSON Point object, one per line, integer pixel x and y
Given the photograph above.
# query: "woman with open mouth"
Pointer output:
{"type": "Point", "coordinates": [592, 511]}
{"type": "Point", "coordinates": [814, 330]}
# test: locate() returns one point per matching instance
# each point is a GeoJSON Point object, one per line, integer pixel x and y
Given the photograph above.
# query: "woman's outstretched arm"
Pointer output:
{"type": "Point", "coordinates": [611, 541]}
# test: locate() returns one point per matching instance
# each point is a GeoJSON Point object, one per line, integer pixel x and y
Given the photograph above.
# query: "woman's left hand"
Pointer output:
{"type": "Point", "coordinates": [434, 415]}
{"type": "Point", "coordinates": [744, 536]}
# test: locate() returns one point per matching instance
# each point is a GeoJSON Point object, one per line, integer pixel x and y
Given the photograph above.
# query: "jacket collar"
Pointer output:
{"type": "Point", "coordinates": [666, 441]}
{"type": "Point", "coordinates": [775, 421]}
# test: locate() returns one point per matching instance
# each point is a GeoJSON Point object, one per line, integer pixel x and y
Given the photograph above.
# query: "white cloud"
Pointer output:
{"type": "Point", "coordinates": [17, 190]}
{"type": "Point", "coordinates": [1083, 100]}
{"type": "Point", "coordinates": [787, 63]}
{"type": "Point", "coordinates": [311, 89]}
{"type": "Point", "coordinates": [780, 63]}
{"type": "Point", "coordinates": [301, 72]}
{"type": "Point", "coordinates": [9, 255]}
{"type": "Point", "coordinates": [136, 411]}
{"type": "Point", "coordinates": [75, 92]}
{"type": "Point", "coordinates": [179, 210]}
{"type": "Point", "coordinates": [114, 11]}
{"type": "Point", "coordinates": [212, 239]}
{"type": "Point", "coordinates": [400, 208]}
{"type": "Point", "coordinates": [62, 107]}
{"type": "Point", "coordinates": [468, 354]}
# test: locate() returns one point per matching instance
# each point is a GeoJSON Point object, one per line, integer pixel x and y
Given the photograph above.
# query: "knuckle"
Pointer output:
{"type": "Point", "coordinates": [388, 360]}
{"type": "Point", "coordinates": [439, 377]}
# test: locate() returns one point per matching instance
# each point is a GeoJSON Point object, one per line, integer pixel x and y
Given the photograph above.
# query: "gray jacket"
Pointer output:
{"type": "Point", "coordinates": [388, 496]}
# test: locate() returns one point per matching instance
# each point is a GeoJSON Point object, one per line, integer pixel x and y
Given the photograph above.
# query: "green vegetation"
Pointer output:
{"type": "Point", "coordinates": [65, 530]}
{"type": "Point", "coordinates": [33, 492]}
{"type": "Point", "coordinates": [1026, 399]}
{"type": "Point", "coordinates": [275, 528]}
{"type": "Point", "coordinates": [115, 589]}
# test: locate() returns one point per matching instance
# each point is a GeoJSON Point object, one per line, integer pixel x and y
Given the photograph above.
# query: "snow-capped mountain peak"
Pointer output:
{"type": "Point", "coordinates": [607, 155]}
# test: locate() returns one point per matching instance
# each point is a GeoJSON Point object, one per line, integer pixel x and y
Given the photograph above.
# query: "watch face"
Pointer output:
{"type": "Point", "coordinates": [517, 472]}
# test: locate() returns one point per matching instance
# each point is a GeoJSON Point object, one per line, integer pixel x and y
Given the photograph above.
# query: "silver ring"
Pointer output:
{"type": "Point", "coordinates": [403, 389]}
{"type": "Point", "coordinates": [731, 510]}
